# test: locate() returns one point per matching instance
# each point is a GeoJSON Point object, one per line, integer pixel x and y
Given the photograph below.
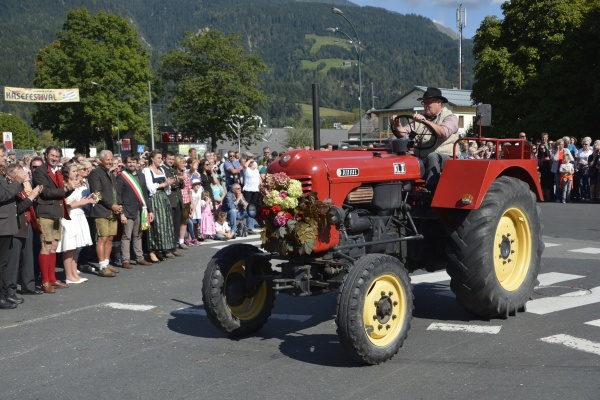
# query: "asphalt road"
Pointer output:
{"type": "Point", "coordinates": [143, 335]}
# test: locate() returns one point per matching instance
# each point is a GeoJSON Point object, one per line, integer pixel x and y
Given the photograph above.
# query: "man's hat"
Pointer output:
{"type": "Point", "coordinates": [11, 152]}
{"type": "Point", "coordinates": [433, 92]}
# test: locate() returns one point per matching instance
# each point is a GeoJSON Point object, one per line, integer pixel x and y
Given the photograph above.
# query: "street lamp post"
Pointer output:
{"type": "Point", "coordinates": [118, 122]}
{"type": "Point", "coordinates": [356, 43]}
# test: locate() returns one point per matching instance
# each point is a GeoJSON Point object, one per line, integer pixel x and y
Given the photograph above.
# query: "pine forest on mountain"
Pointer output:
{"type": "Point", "coordinates": [398, 51]}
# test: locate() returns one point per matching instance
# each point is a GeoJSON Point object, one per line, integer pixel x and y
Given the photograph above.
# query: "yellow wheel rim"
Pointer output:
{"type": "Point", "coordinates": [245, 308]}
{"type": "Point", "coordinates": [512, 249]}
{"type": "Point", "coordinates": [384, 310]}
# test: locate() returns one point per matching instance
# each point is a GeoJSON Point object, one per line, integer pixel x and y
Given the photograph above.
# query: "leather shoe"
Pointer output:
{"type": "Point", "coordinates": [183, 246]}
{"type": "Point", "coordinates": [14, 299]}
{"type": "Point", "coordinates": [113, 269]}
{"type": "Point", "coordinates": [126, 265]}
{"type": "Point", "coordinates": [105, 272]}
{"type": "Point", "coordinates": [59, 284]}
{"type": "Point", "coordinates": [47, 288]}
{"type": "Point", "coordinates": [177, 254]}
{"type": "Point", "coordinates": [31, 292]}
{"type": "Point", "coordinates": [170, 255]}
{"type": "Point", "coordinates": [143, 262]}
{"type": "Point", "coordinates": [7, 305]}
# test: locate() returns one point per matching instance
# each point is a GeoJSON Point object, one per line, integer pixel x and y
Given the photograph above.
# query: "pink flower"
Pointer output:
{"type": "Point", "coordinates": [280, 219]}
{"type": "Point", "coordinates": [283, 194]}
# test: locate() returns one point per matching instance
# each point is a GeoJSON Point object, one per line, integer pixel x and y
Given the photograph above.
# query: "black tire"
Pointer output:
{"type": "Point", "coordinates": [374, 308]}
{"type": "Point", "coordinates": [495, 251]}
{"type": "Point", "coordinates": [226, 305]}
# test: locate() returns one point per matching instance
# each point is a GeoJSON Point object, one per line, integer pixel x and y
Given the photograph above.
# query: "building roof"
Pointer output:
{"type": "Point", "coordinates": [456, 97]}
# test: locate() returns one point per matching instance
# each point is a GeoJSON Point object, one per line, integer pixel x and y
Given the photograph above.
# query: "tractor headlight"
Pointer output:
{"type": "Point", "coordinates": [336, 215]}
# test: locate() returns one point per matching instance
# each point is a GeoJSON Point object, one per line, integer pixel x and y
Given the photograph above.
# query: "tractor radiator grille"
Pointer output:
{"type": "Point", "coordinates": [360, 195]}
{"type": "Point", "coordinates": [306, 182]}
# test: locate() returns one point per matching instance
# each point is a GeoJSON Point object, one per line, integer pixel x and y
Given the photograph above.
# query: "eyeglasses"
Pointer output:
{"type": "Point", "coordinates": [428, 102]}
{"type": "Point", "coordinates": [35, 166]}
{"type": "Point", "coordinates": [231, 155]}
{"type": "Point", "coordinates": [84, 169]}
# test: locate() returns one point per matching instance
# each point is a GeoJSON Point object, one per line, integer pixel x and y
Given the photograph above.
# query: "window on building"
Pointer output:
{"type": "Point", "coordinates": [461, 121]}
{"type": "Point", "coordinates": [386, 124]}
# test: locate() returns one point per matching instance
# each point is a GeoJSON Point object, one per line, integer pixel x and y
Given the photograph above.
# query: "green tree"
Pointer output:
{"type": "Point", "coordinates": [213, 81]}
{"type": "Point", "coordinates": [46, 139]}
{"type": "Point", "coordinates": [102, 48]}
{"type": "Point", "coordinates": [22, 135]}
{"type": "Point", "coordinates": [299, 137]}
{"type": "Point", "coordinates": [522, 63]}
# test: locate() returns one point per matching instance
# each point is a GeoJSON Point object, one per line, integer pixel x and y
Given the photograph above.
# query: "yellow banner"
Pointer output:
{"type": "Point", "coordinates": [41, 95]}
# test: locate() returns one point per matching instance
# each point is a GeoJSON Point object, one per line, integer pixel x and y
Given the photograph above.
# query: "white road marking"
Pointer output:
{"type": "Point", "coordinates": [587, 250]}
{"type": "Point", "coordinates": [439, 326]}
{"type": "Point", "coordinates": [551, 245]}
{"type": "Point", "coordinates": [593, 323]}
{"type": "Point", "coordinates": [549, 305]}
{"type": "Point", "coordinates": [202, 313]}
{"type": "Point", "coordinates": [132, 307]}
{"type": "Point", "coordinates": [432, 277]}
{"type": "Point", "coordinates": [62, 314]}
{"type": "Point", "coordinates": [574, 343]}
{"type": "Point", "coordinates": [550, 278]}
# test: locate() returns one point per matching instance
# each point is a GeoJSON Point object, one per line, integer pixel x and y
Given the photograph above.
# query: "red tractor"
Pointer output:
{"type": "Point", "coordinates": [481, 224]}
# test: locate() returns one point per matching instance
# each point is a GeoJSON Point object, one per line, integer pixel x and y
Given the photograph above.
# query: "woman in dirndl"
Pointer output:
{"type": "Point", "coordinates": [159, 187]}
{"type": "Point", "coordinates": [75, 232]}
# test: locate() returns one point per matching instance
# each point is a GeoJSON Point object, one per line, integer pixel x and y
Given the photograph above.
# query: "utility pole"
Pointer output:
{"type": "Point", "coordinates": [461, 22]}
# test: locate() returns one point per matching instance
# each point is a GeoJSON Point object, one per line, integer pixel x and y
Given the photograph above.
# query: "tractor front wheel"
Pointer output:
{"type": "Point", "coordinates": [230, 305]}
{"type": "Point", "coordinates": [374, 308]}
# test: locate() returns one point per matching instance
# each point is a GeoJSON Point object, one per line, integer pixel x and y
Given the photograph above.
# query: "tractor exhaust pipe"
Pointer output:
{"type": "Point", "coordinates": [316, 117]}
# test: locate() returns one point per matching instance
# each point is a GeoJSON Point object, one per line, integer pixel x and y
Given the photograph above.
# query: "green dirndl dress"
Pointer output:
{"type": "Point", "coordinates": [161, 229]}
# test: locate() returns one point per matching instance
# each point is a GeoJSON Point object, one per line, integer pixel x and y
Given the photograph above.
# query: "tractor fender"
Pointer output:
{"type": "Point", "coordinates": [471, 179]}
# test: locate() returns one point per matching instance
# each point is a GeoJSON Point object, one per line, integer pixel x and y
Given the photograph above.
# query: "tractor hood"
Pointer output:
{"type": "Point", "coordinates": [321, 171]}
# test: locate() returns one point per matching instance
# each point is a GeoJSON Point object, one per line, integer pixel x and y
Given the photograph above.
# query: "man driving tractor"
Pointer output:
{"type": "Point", "coordinates": [432, 145]}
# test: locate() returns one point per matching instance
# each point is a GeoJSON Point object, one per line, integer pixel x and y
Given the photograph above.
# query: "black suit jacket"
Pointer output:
{"type": "Point", "coordinates": [8, 207]}
{"type": "Point", "coordinates": [50, 203]}
{"type": "Point", "coordinates": [129, 201]}
{"type": "Point", "coordinates": [103, 181]}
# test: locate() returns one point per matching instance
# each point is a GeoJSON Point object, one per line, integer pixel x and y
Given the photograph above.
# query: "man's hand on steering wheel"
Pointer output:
{"type": "Point", "coordinates": [428, 135]}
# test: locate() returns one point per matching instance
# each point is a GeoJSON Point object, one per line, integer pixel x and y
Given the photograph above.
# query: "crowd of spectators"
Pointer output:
{"type": "Point", "coordinates": [102, 215]}
{"type": "Point", "coordinates": [568, 168]}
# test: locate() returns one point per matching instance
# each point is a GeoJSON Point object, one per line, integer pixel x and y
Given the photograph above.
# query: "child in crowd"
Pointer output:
{"type": "Point", "coordinates": [196, 211]}
{"type": "Point", "coordinates": [566, 177]}
{"type": "Point", "coordinates": [207, 225]}
{"type": "Point", "coordinates": [218, 194]}
{"type": "Point", "coordinates": [222, 229]}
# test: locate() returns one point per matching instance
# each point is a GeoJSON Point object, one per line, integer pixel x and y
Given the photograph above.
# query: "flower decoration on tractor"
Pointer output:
{"type": "Point", "coordinates": [291, 220]}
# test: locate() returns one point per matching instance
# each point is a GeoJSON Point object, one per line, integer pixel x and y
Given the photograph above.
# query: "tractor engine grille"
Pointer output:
{"type": "Point", "coordinates": [306, 181]}
{"type": "Point", "coordinates": [360, 195]}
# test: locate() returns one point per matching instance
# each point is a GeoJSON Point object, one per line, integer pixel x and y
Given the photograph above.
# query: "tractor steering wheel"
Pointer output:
{"type": "Point", "coordinates": [424, 140]}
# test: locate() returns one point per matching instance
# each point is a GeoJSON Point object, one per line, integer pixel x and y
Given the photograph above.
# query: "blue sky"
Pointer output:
{"type": "Point", "coordinates": [442, 11]}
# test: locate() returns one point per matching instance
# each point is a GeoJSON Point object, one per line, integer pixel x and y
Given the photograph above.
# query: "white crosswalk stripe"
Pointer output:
{"type": "Point", "coordinates": [549, 305]}
{"type": "Point", "coordinates": [439, 326]}
{"type": "Point", "coordinates": [587, 250]}
{"type": "Point", "coordinates": [574, 343]}
{"type": "Point", "coordinates": [593, 323]}
{"type": "Point", "coordinates": [550, 278]}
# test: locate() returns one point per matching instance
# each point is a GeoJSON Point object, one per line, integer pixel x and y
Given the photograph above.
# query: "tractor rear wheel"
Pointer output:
{"type": "Point", "coordinates": [228, 304]}
{"type": "Point", "coordinates": [495, 251]}
{"type": "Point", "coordinates": [374, 308]}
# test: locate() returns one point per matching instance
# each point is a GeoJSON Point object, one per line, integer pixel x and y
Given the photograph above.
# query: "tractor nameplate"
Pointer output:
{"type": "Point", "coordinates": [347, 172]}
{"type": "Point", "coordinates": [399, 168]}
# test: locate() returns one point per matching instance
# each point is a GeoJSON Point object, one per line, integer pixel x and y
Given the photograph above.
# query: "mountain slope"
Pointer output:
{"type": "Point", "coordinates": [398, 51]}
